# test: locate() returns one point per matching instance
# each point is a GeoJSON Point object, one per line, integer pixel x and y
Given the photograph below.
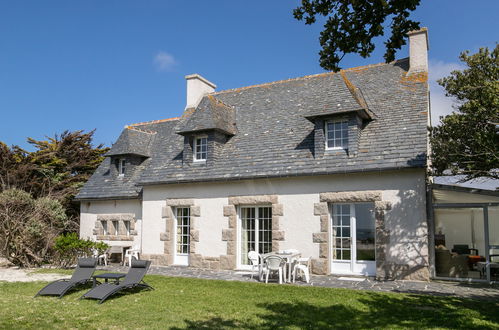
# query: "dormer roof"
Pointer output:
{"type": "Point", "coordinates": [210, 114]}
{"type": "Point", "coordinates": [347, 98]}
{"type": "Point", "coordinates": [133, 141]}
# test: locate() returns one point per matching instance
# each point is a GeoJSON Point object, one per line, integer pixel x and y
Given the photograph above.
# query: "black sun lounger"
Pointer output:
{"type": "Point", "coordinates": [132, 279]}
{"type": "Point", "coordinates": [82, 275]}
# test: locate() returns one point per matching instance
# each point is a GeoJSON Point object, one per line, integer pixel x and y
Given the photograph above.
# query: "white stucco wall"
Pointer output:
{"type": "Point", "coordinates": [404, 189]}
{"type": "Point", "coordinates": [90, 210]}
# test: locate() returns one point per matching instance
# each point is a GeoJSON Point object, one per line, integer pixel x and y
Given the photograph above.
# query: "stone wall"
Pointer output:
{"type": "Point", "coordinates": [229, 261]}
{"type": "Point", "coordinates": [122, 234]}
{"type": "Point", "coordinates": [322, 265]}
{"type": "Point", "coordinates": [168, 235]}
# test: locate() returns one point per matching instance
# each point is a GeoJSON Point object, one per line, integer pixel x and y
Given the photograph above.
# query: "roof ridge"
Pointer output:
{"type": "Point", "coordinates": [273, 83]}
{"type": "Point", "coordinates": [210, 97]}
{"type": "Point", "coordinates": [358, 68]}
{"type": "Point", "coordinates": [133, 128]}
{"type": "Point", "coordinates": [354, 90]}
{"type": "Point", "coordinates": [153, 122]}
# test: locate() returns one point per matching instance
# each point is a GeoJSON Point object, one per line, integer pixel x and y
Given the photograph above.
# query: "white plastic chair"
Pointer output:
{"type": "Point", "coordinates": [275, 264]}
{"type": "Point", "coordinates": [303, 266]}
{"type": "Point", "coordinates": [254, 259]}
{"type": "Point", "coordinates": [131, 253]}
{"type": "Point", "coordinates": [100, 257]}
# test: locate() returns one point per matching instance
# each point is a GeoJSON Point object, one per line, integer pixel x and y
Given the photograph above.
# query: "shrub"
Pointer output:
{"type": "Point", "coordinates": [28, 227]}
{"type": "Point", "coordinates": [70, 247]}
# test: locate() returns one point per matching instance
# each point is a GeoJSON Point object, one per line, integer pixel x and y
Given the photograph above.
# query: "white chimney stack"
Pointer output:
{"type": "Point", "coordinates": [197, 87]}
{"type": "Point", "coordinates": [418, 50]}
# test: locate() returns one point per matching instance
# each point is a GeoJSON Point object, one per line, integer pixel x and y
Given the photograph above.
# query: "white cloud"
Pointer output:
{"type": "Point", "coordinates": [164, 61]}
{"type": "Point", "coordinates": [441, 105]}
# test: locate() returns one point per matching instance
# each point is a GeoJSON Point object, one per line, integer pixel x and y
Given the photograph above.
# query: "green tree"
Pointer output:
{"type": "Point", "coordinates": [351, 26]}
{"type": "Point", "coordinates": [467, 141]}
{"type": "Point", "coordinates": [58, 167]}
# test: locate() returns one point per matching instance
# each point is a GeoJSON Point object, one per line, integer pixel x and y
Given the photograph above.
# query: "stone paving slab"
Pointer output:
{"type": "Point", "coordinates": [434, 288]}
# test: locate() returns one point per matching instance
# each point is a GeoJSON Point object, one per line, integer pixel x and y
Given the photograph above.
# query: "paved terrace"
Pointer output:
{"type": "Point", "coordinates": [435, 288]}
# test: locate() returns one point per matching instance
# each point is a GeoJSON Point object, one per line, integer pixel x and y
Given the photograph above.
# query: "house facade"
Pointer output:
{"type": "Point", "coordinates": [333, 165]}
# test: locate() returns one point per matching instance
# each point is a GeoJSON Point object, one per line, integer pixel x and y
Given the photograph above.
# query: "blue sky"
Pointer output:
{"type": "Point", "coordinates": [70, 65]}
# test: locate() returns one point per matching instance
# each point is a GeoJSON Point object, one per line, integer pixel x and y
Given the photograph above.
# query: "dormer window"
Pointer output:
{"type": "Point", "coordinates": [336, 134]}
{"type": "Point", "coordinates": [121, 166]}
{"type": "Point", "coordinates": [200, 148]}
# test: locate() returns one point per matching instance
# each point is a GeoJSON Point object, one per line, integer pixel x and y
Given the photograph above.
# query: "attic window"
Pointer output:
{"type": "Point", "coordinates": [200, 148]}
{"type": "Point", "coordinates": [336, 134]}
{"type": "Point", "coordinates": [121, 166]}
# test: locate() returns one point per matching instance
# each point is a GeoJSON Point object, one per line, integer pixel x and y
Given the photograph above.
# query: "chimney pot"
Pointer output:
{"type": "Point", "coordinates": [197, 87]}
{"type": "Point", "coordinates": [418, 50]}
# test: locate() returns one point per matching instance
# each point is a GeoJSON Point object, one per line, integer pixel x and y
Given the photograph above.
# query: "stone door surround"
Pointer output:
{"type": "Point", "coordinates": [229, 261]}
{"type": "Point", "coordinates": [322, 265]}
{"type": "Point", "coordinates": [168, 234]}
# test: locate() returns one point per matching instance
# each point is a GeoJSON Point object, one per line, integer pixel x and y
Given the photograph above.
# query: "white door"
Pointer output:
{"type": "Point", "coordinates": [182, 235]}
{"type": "Point", "coordinates": [353, 239]}
{"type": "Point", "coordinates": [254, 233]}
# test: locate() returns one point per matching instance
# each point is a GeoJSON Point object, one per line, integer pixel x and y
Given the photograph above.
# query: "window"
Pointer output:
{"type": "Point", "coordinates": [121, 166]}
{"type": "Point", "coordinates": [127, 227]}
{"type": "Point", "coordinates": [183, 217]}
{"type": "Point", "coordinates": [255, 231]}
{"type": "Point", "coordinates": [115, 227]}
{"type": "Point", "coordinates": [104, 227]}
{"type": "Point", "coordinates": [200, 148]}
{"type": "Point", "coordinates": [337, 134]}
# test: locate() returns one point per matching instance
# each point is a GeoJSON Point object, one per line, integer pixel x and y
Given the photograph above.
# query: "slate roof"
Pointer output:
{"type": "Point", "coordinates": [274, 138]}
{"type": "Point", "coordinates": [211, 113]}
{"type": "Point", "coordinates": [133, 141]}
{"type": "Point", "coordinates": [103, 185]}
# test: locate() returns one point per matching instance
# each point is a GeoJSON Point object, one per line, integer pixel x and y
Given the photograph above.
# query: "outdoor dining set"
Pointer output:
{"type": "Point", "coordinates": [286, 264]}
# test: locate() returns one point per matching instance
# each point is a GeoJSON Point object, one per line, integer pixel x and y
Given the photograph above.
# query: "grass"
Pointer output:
{"type": "Point", "coordinates": [179, 303]}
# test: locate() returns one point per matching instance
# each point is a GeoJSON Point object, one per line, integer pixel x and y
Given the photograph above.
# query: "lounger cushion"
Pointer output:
{"type": "Point", "coordinates": [87, 262]}
{"type": "Point", "coordinates": [139, 263]}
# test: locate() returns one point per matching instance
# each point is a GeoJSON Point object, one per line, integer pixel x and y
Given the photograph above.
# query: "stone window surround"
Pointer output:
{"type": "Point", "coordinates": [168, 235]}
{"type": "Point", "coordinates": [229, 261]}
{"type": "Point", "coordinates": [121, 218]}
{"type": "Point", "coordinates": [322, 265]}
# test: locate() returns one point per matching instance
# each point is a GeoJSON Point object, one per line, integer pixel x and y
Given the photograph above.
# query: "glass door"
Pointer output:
{"type": "Point", "coordinates": [182, 235]}
{"type": "Point", "coordinates": [353, 239]}
{"type": "Point", "coordinates": [255, 232]}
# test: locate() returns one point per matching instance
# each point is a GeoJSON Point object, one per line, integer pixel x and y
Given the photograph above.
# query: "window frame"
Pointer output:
{"type": "Point", "coordinates": [194, 148]}
{"type": "Point", "coordinates": [104, 227]}
{"type": "Point", "coordinates": [326, 134]}
{"type": "Point", "coordinates": [256, 229]}
{"type": "Point", "coordinates": [116, 229]}
{"type": "Point", "coordinates": [127, 224]}
{"type": "Point", "coordinates": [121, 167]}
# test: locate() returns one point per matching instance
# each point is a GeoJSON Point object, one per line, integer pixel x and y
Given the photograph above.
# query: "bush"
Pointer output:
{"type": "Point", "coordinates": [28, 227]}
{"type": "Point", "coordinates": [70, 247]}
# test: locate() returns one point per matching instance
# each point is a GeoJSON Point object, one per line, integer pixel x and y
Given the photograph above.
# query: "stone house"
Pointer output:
{"type": "Point", "coordinates": [332, 164]}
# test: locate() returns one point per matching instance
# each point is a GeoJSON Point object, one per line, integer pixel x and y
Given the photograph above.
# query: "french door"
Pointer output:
{"type": "Point", "coordinates": [353, 239]}
{"type": "Point", "coordinates": [254, 232]}
{"type": "Point", "coordinates": [182, 235]}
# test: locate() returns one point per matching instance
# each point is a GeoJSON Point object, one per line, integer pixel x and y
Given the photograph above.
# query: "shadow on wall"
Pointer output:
{"type": "Point", "coordinates": [370, 310]}
{"type": "Point", "coordinates": [406, 222]}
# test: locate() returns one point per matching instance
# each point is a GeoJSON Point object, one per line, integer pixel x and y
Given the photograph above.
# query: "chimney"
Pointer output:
{"type": "Point", "coordinates": [418, 50]}
{"type": "Point", "coordinates": [197, 87]}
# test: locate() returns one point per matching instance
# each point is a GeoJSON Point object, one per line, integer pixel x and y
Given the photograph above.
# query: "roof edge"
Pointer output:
{"type": "Point", "coordinates": [253, 177]}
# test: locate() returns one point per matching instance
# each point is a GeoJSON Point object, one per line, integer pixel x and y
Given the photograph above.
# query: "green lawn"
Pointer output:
{"type": "Point", "coordinates": [193, 303]}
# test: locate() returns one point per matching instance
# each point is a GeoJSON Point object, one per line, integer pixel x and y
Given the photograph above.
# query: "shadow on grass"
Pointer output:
{"type": "Point", "coordinates": [370, 311]}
